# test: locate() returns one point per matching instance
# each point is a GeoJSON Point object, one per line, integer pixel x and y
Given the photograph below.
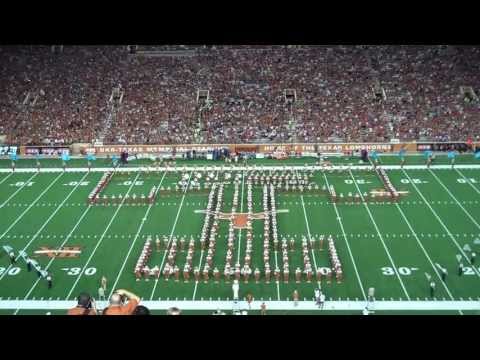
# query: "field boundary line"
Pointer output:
{"type": "Point", "coordinates": [142, 223]}
{"type": "Point", "coordinates": [441, 222]}
{"type": "Point", "coordinates": [171, 234]}
{"type": "Point", "coordinates": [346, 241]}
{"type": "Point", "coordinates": [380, 236]}
{"type": "Point", "coordinates": [101, 238]}
{"type": "Point", "coordinates": [411, 305]}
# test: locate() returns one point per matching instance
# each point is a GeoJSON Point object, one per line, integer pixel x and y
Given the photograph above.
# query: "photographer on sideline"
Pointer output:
{"type": "Point", "coordinates": [117, 303]}
{"type": "Point", "coordinates": [85, 306]}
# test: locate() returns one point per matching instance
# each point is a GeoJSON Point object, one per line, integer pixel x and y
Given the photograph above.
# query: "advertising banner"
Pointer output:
{"type": "Point", "coordinates": [8, 150]}
{"type": "Point", "coordinates": [46, 150]}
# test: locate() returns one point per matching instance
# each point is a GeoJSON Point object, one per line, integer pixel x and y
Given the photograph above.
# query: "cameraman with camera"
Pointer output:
{"type": "Point", "coordinates": [85, 306]}
{"type": "Point", "coordinates": [118, 305]}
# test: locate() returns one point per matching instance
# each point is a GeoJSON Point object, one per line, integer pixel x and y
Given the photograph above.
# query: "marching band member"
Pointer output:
{"type": "Point", "coordinates": [298, 275]}
{"type": "Point", "coordinates": [216, 275]}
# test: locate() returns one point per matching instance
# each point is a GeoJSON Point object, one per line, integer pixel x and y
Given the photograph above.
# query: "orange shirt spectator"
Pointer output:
{"type": "Point", "coordinates": [85, 306]}
{"type": "Point", "coordinates": [116, 305]}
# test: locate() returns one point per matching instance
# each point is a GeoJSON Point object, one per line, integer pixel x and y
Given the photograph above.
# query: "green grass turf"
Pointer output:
{"type": "Point", "coordinates": [378, 236]}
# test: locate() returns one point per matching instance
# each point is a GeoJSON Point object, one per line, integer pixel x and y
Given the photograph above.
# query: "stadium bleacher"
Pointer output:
{"type": "Point", "coordinates": [343, 93]}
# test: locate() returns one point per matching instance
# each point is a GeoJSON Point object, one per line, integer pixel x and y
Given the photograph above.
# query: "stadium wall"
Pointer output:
{"type": "Point", "coordinates": [410, 147]}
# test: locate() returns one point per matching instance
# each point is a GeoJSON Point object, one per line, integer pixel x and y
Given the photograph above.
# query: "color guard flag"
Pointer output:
{"type": "Point", "coordinates": [401, 153]}
{"type": "Point", "coordinates": [477, 155]}
{"type": "Point", "coordinates": [91, 157]}
{"type": "Point", "coordinates": [65, 157]}
{"type": "Point", "coordinates": [452, 154]}
{"type": "Point", "coordinates": [114, 159]}
{"type": "Point", "coordinates": [13, 157]}
{"type": "Point", "coordinates": [427, 153]}
{"type": "Point", "coordinates": [374, 155]}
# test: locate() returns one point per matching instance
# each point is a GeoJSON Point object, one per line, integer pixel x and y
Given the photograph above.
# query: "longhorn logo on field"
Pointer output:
{"type": "Point", "coordinates": [64, 252]}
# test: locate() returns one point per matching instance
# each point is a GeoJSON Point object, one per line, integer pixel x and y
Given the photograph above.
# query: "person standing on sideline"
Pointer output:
{"type": "Point", "coordinates": [472, 258]}
{"type": "Point", "coordinates": [432, 288]}
{"type": "Point", "coordinates": [104, 283]}
{"type": "Point", "coordinates": [460, 269]}
{"type": "Point", "coordinates": [11, 255]}
{"type": "Point", "coordinates": [444, 274]}
{"type": "Point", "coordinates": [263, 309]}
{"type": "Point", "coordinates": [49, 281]}
{"type": "Point", "coordinates": [235, 288]}
{"type": "Point", "coordinates": [322, 300]}
{"type": "Point", "coordinates": [295, 297]}
{"type": "Point", "coordinates": [29, 265]}
{"type": "Point", "coordinates": [249, 300]}
{"type": "Point", "coordinates": [101, 293]}
{"type": "Point", "coordinates": [317, 296]}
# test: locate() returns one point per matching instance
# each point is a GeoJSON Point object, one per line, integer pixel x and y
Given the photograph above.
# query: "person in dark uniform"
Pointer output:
{"type": "Point", "coordinates": [49, 281]}
{"type": "Point", "coordinates": [444, 274]}
{"type": "Point", "coordinates": [472, 258]}
{"type": "Point", "coordinates": [39, 271]}
{"type": "Point", "coordinates": [432, 288]}
{"type": "Point", "coordinates": [29, 265]}
{"type": "Point", "coordinates": [460, 269]}
{"type": "Point", "coordinates": [12, 257]}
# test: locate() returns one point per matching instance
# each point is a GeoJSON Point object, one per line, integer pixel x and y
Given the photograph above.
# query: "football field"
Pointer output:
{"type": "Point", "coordinates": [396, 247]}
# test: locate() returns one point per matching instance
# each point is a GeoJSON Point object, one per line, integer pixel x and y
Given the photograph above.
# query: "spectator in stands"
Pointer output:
{"type": "Point", "coordinates": [347, 93]}
{"type": "Point", "coordinates": [85, 306]}
{"type": "Point", "coordinates": [122, 302]}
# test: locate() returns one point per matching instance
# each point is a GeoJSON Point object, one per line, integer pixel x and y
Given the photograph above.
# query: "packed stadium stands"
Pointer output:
{"type": "Point", "coordinates": [73, 94]}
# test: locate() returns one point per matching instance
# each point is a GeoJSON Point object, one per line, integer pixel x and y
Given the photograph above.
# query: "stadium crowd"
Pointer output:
{"type": "Point", "coordinates": [343, 93]}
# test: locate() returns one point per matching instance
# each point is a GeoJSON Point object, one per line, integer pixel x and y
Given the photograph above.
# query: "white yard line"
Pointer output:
{"type": "Point", "coordinates": [142, 223]}
{"type": "Point", "coordinates": [196, 282]}
{"type": "Point", "coordinates": [308, 231]}
{"type": "Point", "coordinates": [441, 222]}
{"type": "Point", "coordinates": [439, 305]}
{"type": "Point", "coordinates": [454, 198]}
{"type": "Point", "coordinates": [468, 181]}
{"type": "Point", "coordinates": [426, 254]}
{"type": "Point", "coordinates": [240, 230]}
{"type": "Point", "coordinates": [276, 262]}
{"type": "Point", "coordinates": [346, 241]}
{"type": "Point", "coordinates": [278, 282]}
{"type": "Point", "coordinates": [18, 190]}
{"type": "Point", "coordinates": [101, 238]}
{"type": "Point", "coordinates": [30, 206]}
{"type": "Point", "coordinates": [61, 245]}
{"type": "Point", "coordinates": [47, 221]}
{"type": "Point", "coordinates": [6, 177]}
{"type": "Point", "coordinates": [380, 236]}
{"type": "Point", "coordinates": [171, 234]}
